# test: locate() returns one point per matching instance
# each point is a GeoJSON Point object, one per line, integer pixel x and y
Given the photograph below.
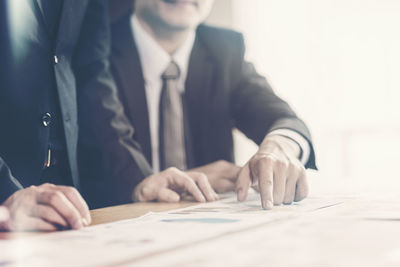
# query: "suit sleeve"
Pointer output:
{"type": "Point", "coordinates": [8, 183]}
{"type": "Point", "coordinates": [104, 129]}
{"type": "Point", "coordinates": [257, 110]}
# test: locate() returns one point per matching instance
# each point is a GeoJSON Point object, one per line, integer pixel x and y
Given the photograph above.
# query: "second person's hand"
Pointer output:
{"type": "Point", "coordinates": [172, 184]}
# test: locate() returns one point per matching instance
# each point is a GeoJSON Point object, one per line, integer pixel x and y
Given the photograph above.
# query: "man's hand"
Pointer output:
{"type": "Point", "coordinates": [276, 172]}
{"type": "Point", "coordinates": [46, 208]}
{"type": "Point", "coordinates": [221, 174]}
{"type": "Point", "coordinates": [171, 184]}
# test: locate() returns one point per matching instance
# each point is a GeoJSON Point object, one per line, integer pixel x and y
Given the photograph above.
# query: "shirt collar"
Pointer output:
{"type": "Point", "coordinates": [155, 59]}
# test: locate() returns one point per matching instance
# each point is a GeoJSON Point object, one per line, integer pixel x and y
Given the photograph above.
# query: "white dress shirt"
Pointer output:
{"type": "Point", "coordinates": [154, 61]}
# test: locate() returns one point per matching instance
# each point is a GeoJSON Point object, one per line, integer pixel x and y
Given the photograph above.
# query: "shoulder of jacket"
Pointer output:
{"type": "Point", "coordinates": [220, 39]}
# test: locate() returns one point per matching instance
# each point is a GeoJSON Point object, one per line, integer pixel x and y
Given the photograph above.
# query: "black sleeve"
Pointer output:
{"type": "Point", "coordinates": [104, 129]}
{"type": "Point", "coordinates": [8, 184]}
{"type": "Point", "coordinates": [257, 110]}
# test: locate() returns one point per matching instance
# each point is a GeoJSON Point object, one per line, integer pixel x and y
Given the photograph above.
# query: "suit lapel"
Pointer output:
{"type": "Point", "coordinates": [68, 31]}
{"type": "Point", "coordinates": [72, 14]}
{"type": "Point", "coordinates": [131, 85]}
{"type": "Point", "coordinates": [37, 5]}
{"type": "Point", "coordinates": [198, 90]}
{"type": "Point", "coordinates": [200, 72]}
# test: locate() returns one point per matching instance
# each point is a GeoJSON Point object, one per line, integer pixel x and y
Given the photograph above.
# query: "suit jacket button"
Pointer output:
{"type": "Point", "coordinates": [46, 119]}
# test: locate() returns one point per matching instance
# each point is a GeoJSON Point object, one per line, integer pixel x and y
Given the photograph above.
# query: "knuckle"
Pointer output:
{"type": "Point", "coordinates": [47, 185]}
{"type": "Point", "coordinates": [268, 182]}
{"type": "Point", "coordinates": [71, 191]}
{"type": "Point", "coordinates": [282, 164]}
{"type": "Point", "coordinates": [267, 159]}
{"type": "Point", "coordinates": [172, 170]}
{"type": "Point", "coordinates": [55, 197]}
{"type": "Point", "coordinates": [222, 163]}
{"type": "Point", "coordinates": [202, 177]}
{"type": "Point", "coordinates": [32, 188]}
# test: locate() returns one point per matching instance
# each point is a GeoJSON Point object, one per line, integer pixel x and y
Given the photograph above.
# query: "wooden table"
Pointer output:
{"type": "Point", "coordinates": [129, 211]}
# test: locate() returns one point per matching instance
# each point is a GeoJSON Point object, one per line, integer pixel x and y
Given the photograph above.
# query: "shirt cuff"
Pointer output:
{"type": "Point", "coordinates": [300, 140]}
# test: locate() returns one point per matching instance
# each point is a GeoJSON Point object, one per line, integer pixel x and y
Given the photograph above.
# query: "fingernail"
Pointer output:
{"type": "Point", "coordinates": [267, 205]}
{"type": "Point", "coordinates": [78, 224]}
{"type": "Point", "coordinates": [174, 198]}
{"type": "Point", "coordinates": [85, 222]}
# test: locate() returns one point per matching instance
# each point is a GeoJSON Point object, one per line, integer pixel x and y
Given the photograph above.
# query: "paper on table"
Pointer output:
{"type": "Point", "coordinates": [363, 231]}
{"type": "Point", "coordinates": [152, 234]}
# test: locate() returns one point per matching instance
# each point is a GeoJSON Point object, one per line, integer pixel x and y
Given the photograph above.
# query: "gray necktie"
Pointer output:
{"type": "Point", "coordinates": [172, 138]}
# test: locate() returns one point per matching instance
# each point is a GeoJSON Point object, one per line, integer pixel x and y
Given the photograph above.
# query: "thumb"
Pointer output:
{"type": "Point", "coordinates": [167, 195]}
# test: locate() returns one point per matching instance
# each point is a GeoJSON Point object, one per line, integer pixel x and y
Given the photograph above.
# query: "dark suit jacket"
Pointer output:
{"type": "Point", "coordinates": [81, 73]}
{"type": "Point", "coordinates": [222, 92]}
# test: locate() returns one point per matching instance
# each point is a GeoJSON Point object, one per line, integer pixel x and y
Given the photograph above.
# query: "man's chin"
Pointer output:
{"type": "Point", "coordinates": [180, 25]}
{"type": "Point", "coordinates": [193, 3]}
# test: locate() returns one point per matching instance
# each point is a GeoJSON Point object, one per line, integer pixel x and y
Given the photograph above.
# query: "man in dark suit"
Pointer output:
{"type": "Point", "coordinates": [187, 86]}
{"type": "Point", "coordinates": [54, 53]}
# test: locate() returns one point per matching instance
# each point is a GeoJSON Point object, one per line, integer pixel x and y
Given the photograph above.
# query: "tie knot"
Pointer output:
{"type": "Point", "coordinates": [172, 71]}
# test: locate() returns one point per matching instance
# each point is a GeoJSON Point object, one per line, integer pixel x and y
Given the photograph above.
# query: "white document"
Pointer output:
{"type": "Point", "coordinates": [132, 241]}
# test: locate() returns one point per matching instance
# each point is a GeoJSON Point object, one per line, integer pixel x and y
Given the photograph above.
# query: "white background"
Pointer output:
{"type": "Point", "coordinates": [337, 62]}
